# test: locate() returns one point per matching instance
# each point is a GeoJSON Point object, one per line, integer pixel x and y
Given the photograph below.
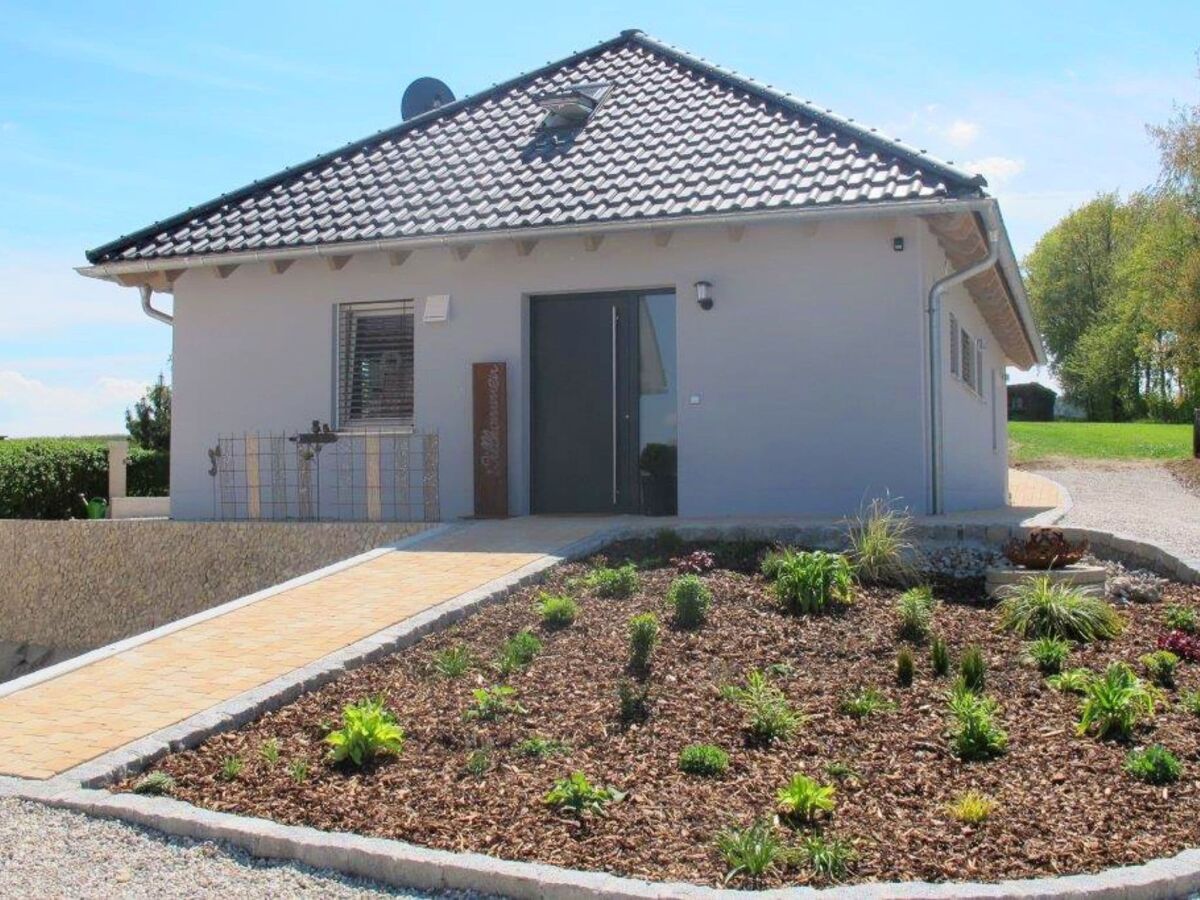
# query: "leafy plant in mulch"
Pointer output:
{"type": "Point", "coordinates": [478, 763]}
{"type": "Point", "coordinates": [939, 658]}
{"type": "Point", "coordinates": [1072, 681]}
{"type": "Point", "coordinates": [268, 751]}
{"type": "Point", "coordinates": [155, 784]}
{"type": "Point", "coordinates": [604, 581]}
{"type": "Point", "coordinates": [774, 560]}
{"type": "Point", "coordinates": [1115, 703]}
{"type": "Point", "coordinates": [751, 853]}
{"type": "Point", "coordinates": [518, 652]}
{"type": "Point", "coordinates": [813, 582]}
{"type": "Point", "coordinates": [1191, 702]}
{"type": "Point", "coordinates": [905, 667]}
{"type": "Point", "coordinates": [695, 563]}
{"type": "Point", "coordinates": [882, 550]}
{"type": "Point", "coordinates": [540, 747]}
{"type": "Point", "coordinates": [841, 771]}
{"type": "Point", "coordinates": [1180, 618]}
{"type": "Point", "coordinates": [489, 704]}
{"type": "Point", "coordinates": [453, 662]}
{"type": "Point", "coordinates": [1184, 645]}
{"type": "Point", "coordinates": [231, 768]}
{"type": "Point", "coordinates": [1154, 765]}
{"type": "Point", "coordinates": [914, 609]}
{"type": "Point", "coordinates": [804, 799]}
{"type": "Point", "coordinates": [768, 715]}
{"type": "Point", "coordinates": [643, 637]}
{"type": "Point", "coordinates": [828, 858]}
{"type": "Point", "coordinates": [368, 730]}
{"type": "Point", "coordinates": [972, 671]}
{"type": "Point", "coordinates": [577, 796]}
{"type": "Point", "coordinates": [863, 702]}
{"type": "Point", "coordinates": [972, 808]}
{"type": "Point", "coordinates": [1048, 654]}
{"type": "Point", "coordinates": [298, 771]}
{"type": "Point", "coordinates": [633, 702]}
{"type": "Point", "coordinates": [556, 610]}
{"type": "Point", "coordinates": [976, 734]}
{"type": "Point", "coordinates": [704, 760]}
{"type": "Point", "coordinates": [690, 600]}
{"type": "Point", "coordinates": [1040, 608]}
{"type": "Point", "coordinates": [1160, 667]}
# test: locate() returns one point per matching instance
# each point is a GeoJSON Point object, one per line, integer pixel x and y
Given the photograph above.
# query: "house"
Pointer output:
{"type": "Point", "coordinates": [1031, 402]}
{"type": "Point", "coordinates": [693, 292]}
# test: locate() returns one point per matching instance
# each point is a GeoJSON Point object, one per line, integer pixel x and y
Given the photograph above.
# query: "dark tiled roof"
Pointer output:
{"type": "Point", "coordinates": [674, 136]}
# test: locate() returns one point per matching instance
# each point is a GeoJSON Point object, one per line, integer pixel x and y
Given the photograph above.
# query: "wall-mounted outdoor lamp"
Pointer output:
{"type": "Point", "coordinates": [704, 295]}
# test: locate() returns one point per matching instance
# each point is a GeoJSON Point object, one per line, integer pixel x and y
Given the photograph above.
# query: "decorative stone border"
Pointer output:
{"type": "Point", "coordinates": [402, 864]}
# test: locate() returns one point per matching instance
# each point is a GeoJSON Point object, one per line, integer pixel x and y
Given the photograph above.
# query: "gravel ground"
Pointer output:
{"type": "Point", "coordinates": [1142, 500]}
{"type": "Point", "coordinates": [56, 853]}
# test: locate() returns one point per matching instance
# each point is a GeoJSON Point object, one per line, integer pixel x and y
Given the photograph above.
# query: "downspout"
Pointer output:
{"type": "Point", "coordinates": [934, 311]}
{"type": "Point", "coordinates": [147, 292]}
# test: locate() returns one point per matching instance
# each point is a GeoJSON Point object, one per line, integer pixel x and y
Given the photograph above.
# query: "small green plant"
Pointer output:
{"type": "Point", "coordinates": [231, 768]}
{"type": "Point", "coordinates": [453, 662]}
{"type": "Point", "coordinates": [478, 763]}
{"type": "Point", "coordinates": [939, 658]}
{"type": "Point", "coordinates": [368, 730]}
{"type": "Point", "coordinates": [607, 582]}
{"type": "Point", "coordinates": [803, 799]}
{"type": "Point", "coordinates": [768, 715]}
{"type": "Point", "coordinates": [750, 853]}
{"type": "Point", "coordinates": [690, 600]}
{"type": "Point", "coordinates": [915, 609]}
{"type": "Point", "coordinates": [1181, 618]}
{"type": "Point", "coordinates": [976, 734]}
{"type": "Point", "coordinates": [972, 808]}
{"type": "Point", "coordinates": [828, 858]}
{"type": "Point", "coordinates": [812, 582]}
{"type": "Point", "coordinates": [298, 770]}
{"type": "Point", "coordinates": [782, 669]}
{"type": "Point", "coordinates": [972, 671]}
{"type": "Point", "coordinates": [633, 702]}
{"type": "Point", "coordinates": [155, 784]}
{"type": "Point", "coordinates": [1154, 765]}
{"type": "Point", "coordinates": [489, 704]}
{"type": "Point", "coordinates": [1072, 681]}
{"type": "Point", "coordinates": [704, 760]}
{"type": "Point", "coordinates": [1040, 608]}
{"type": "Point", "coordinates": [578, 796]}
{"type": "Point", "coordinates": [881, 545]}
{"type": "Point", "coordinates": [518, 652]}
{"type": "Point", "coordinates": [864, 702]}
{"type": "Point", "coordinates": [556, 610]}
{"type": "Point", "coordinates": [841, 771]}
{"type": "Point", "coordinates": [540, 747]}
{"type": "Point", "coordinates": [905, 667]}
{"type": "Point", "coordinates": [774, 560]}
{"type": "Point", "coordinates": [643, 637]}
{"type": "Point", "coordinates": [1048, 654]}
{"type": "Point", "coordinates": [1115, 702]}
{"type": "Point", "coordinates": [269, 751]}
{"type": "Point", "coordinates": [1191, 702]}
{"type": "Point", "coordinates": [1160, 667]}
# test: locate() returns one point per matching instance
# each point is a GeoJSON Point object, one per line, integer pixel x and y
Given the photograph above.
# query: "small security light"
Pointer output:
{"type": "Point", "coordinates": [704, 295]}
{"type": "Point", "coordinates": [898, 244]}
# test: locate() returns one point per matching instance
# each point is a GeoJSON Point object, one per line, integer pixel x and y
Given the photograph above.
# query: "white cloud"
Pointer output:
{"type": "Point", "coordinates": [29, 407]}
{"type": "Point", "coordinates": [998, 170]}
{"type": "Point", "coordinates": [961, 133]}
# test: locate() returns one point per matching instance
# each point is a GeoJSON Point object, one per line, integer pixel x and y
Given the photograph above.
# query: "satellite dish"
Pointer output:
{"type": "Point", "coordinates": [423, 95]}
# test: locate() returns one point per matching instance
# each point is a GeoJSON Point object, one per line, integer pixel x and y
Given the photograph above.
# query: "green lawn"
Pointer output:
{"type": "Point", "coordinates": [1030, 441]}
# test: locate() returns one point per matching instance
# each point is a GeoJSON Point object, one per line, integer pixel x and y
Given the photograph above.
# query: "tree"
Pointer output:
{"type": "Point", "coordinates": [149, 423]}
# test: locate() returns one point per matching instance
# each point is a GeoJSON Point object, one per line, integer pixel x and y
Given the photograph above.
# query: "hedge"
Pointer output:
{"type": "Point", "coordinates": [43, 478]}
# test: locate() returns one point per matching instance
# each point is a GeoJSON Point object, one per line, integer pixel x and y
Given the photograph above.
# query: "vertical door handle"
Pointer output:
{"type": "Point", "coordinates": [614, 404]}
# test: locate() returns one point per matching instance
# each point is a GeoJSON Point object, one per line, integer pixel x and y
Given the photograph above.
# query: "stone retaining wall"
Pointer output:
{"type": "Point", "coordinates": [81, 584]}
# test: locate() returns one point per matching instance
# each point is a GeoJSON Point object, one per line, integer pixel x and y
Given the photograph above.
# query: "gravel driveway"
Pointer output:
{"type": "Point", "coordinates": [1141, 500]}
{"type": "Point", "coordinates": [56, 853]}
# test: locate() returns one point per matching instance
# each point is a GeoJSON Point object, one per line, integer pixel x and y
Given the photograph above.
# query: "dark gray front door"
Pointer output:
{"type": "Point", "coordinates": [583, 403]}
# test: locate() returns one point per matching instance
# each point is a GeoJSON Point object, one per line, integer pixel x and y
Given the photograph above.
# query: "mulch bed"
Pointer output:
{"type": "Point", "coordinates": [1065, 804]}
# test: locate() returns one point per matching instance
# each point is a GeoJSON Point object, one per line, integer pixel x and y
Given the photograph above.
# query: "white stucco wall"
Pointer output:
{"type": "Point", "coordinates": [810, 368]}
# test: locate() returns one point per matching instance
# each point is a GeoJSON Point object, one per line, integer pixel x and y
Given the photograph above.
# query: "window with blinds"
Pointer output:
{"type": "Point", "coordinates": [375, 364]}
{"type": "Point", "coordinates": [967, 354]}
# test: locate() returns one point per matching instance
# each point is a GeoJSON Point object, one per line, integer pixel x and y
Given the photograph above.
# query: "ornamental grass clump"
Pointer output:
{"type": "Point", "coordinates": [577, 796]}
{"type": "Point", "coordinates": [939, 658]}
{"type": "Point", "coordinates": [556, 610]}
{"type": "Point", "coordinates": [643, 637]}
{"type": "Point", "coordinates": [768, 715]}
{"type": "Point", "coordinates": [621, 581]}
{"type": "Point", "coordinates": [812, 582]}
{"type": "Point", "coordinates": [1048, 654]}
{"type": "Point", "coordinates": [864, 702]}
{"type": "Point", "coordinates": [155, 784]}
{"type": "Point", "coordinates": [690, 600]}
{"type": "Point", "coordinates": [972, 671]}
{"type": "Point", "coordinates": [453, 662]}
{"type": "Point", "coordinates": [972, 808]}
{"type": "Point", "coordinates": [369, 730]}
{"type": "Point", "coordinates": [1040, 608]}
{"type": "Point", "coordinates": [830, 859]}
{"type": "Point", "coordinates": [905, 667]}
{"type": "Point", "coordinates": [914, 610]}
{"type": "Point", "coordinates": [518, 652]}
{"type": "Point", "coordinates": [1072, 681]}
{"type": "Point", "coordinates": [976, 734]}
{"type": "Point", "coordinates": [803, 799]}
{"type": "Point", "coordinates": [703, 760]}
{"type": "Point", "coordinates": [1115, 703]}
{"type": "Point", "coordinates": [1154, 765]}
{"type": "Point", "coordinates": [751, 853]}
{"type": "Point", "coordinates": [882, 550]}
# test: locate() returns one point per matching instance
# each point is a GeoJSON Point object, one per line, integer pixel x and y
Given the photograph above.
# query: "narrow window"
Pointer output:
{"type": "Point", "coordinates": [954, 345]}
{"type": "Point", "coordinates": [979, 368]}
{"type": "Point", "coordinates": [967, 356]}
{"type": "Point", "coordinates": [375, 364]}
{"type": "Point", "coordinates": [995, 416]}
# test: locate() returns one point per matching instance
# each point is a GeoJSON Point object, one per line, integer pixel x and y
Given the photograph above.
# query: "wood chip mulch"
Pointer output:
{"type": "Point", "coordinates": [1065, 804]}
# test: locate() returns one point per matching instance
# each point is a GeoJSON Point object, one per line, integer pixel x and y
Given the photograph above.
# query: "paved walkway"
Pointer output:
{"type": "Point", "coordinates": [55, 725]}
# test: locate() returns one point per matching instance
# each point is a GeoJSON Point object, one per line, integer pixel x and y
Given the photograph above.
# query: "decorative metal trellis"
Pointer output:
{"type": "Point", "coordinates": [382, 475]}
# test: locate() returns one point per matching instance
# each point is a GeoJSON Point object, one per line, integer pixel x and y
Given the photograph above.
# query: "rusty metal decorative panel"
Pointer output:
{"type": "Point", "coordinates": [490, 386]}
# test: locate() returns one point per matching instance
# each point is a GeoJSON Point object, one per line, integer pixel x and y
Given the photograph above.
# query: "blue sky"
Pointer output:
{"type": "Point", "coordinates": [113, 115]}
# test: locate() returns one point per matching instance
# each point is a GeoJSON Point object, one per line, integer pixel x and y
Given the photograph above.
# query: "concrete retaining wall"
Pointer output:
{"type": "Point", "coordinates": [78, 585]}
